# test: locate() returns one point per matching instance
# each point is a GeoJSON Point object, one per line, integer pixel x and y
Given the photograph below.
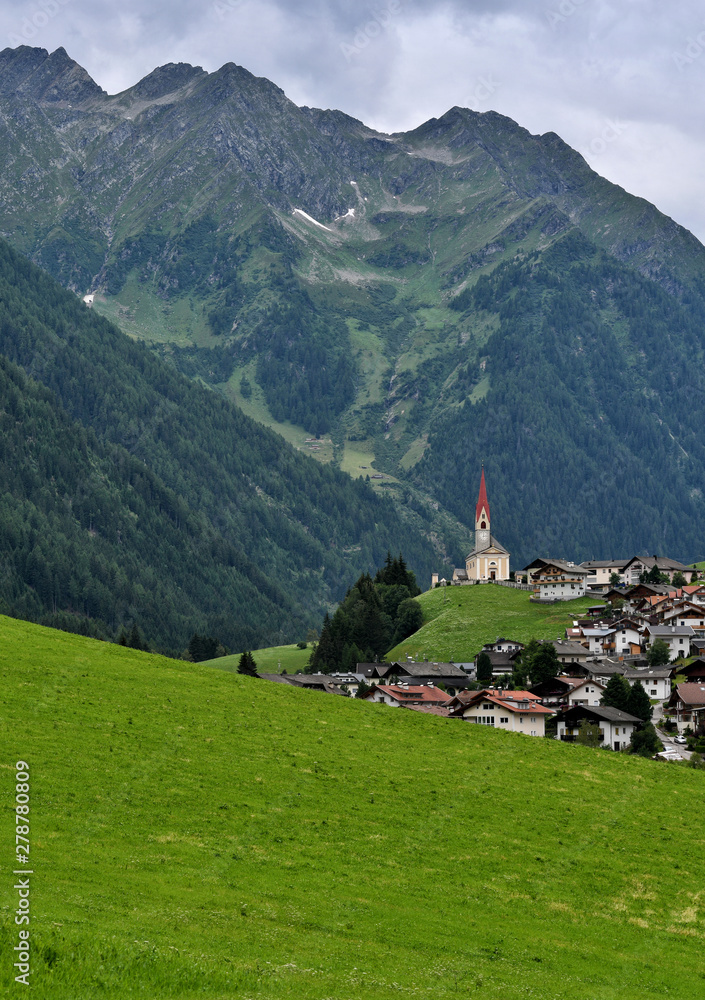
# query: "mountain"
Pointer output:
{"type": "Point", "coordinates": [131, 494]}
{"type": "Point", "coordinates": [420, 302]}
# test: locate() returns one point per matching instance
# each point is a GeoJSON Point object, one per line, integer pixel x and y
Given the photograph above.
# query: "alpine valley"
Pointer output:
{"type": "Point", "coordinates": [403, 307]}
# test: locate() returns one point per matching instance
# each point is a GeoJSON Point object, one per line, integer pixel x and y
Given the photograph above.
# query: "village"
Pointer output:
{"type": "Point", "coordinates": [646, 629]}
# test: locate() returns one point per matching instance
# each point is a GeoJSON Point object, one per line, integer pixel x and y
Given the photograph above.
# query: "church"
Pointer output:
{"type": "Point", "coordinates": [488, 560]}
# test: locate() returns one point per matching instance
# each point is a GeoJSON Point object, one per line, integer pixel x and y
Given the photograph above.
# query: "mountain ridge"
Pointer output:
{"type": "Point", "coordinates": [328, 279]}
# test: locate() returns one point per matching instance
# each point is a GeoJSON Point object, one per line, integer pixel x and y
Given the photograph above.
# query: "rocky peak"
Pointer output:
{"type": "Point", "coordinates": [46, 78]}
{"type": "Point", "coordinates": [165, 80]}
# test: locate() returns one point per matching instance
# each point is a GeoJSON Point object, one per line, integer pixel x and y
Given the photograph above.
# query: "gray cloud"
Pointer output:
{"type": "Point", "coordinates": [620, 80]}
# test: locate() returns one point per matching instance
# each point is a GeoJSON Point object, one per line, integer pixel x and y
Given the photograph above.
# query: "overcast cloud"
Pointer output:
{"type": "Point", "coordinates": [621, 81]}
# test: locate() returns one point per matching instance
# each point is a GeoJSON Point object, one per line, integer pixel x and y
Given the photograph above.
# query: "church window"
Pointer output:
{"type": "Point", "coordinates": [483, 525]}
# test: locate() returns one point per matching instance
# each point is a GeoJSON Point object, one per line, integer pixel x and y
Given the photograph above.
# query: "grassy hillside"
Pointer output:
{"type": "Point", "coordinates": [272, 660]}
{"type": "Point", "coordinates": [458, 621]}
{"type": "Point", "coordinates": [199, 834]}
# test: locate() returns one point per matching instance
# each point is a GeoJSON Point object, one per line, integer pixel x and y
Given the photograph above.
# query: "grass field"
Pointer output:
{"type": "Point", "coordinates": [458, 621]}
{"type": "Point", "coordinates": [269, 661]}
{"type": "Point", "coordinates": [199, 834]}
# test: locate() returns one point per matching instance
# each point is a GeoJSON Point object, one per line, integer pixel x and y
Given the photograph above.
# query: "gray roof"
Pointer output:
{"type": "Point", "coordinates": [654, 673]}
{"type": "Point", "coordinates": [670, 630]}
{"type": "Point", "coordinates": [604, 563]}
{"type": "Point", "coordinates": [663, 562]}
{"type": "Point", "coordinates": [605, 712]}
{"type": "Point", "coordinates": [566, 647]}
{"type": "Point", "coordinates": [424, 668]}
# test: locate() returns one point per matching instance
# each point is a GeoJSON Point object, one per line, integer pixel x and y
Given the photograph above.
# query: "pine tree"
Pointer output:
{"type": "Point", "coordinates": [544, 663]}
{"type": "Point", "coordinates": [135, 640]}
{"type": "Point", "coordinates": [484, 668]}
{"type": "Point", "coordinates": [617, 692]}
{"type": "Point", "coordinates": [247, 665]}
{"type": "Point", "coordinates": [638, 703]}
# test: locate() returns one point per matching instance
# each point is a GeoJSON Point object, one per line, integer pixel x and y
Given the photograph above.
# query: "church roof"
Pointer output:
{"type": "Point", "coordinates": [494, 544]}
{"type": "Point", "coordinates": [482, 498]}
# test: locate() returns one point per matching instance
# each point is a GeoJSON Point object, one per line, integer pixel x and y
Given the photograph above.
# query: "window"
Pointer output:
{"type": "Point", "coordinates": [653, 691]}
{"type": "Point", "coordinates": [504, 720]}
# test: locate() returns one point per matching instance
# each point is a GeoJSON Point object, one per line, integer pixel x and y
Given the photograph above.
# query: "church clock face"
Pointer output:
{"type": "Point", "coordinates": [482, 538]}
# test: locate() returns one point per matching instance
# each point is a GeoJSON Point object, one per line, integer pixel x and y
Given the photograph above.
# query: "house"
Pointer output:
{"type": "Point", "coordinates": [554, 692]}
{"type": "Point", "coordinates": [616, 727]}
{"type": "Point", "coordinates": [694, 672]}
{"type": "Point", "coordinates": [602, 670]}
{"type": "Point", "coordinates": [571, 652]}
{"type": "Point", "coordinates": [644, 564]}
{"type": "Point", "coordinates": [489, 560]}
{"type": "Point", "coordinates": [656, 681]}
{"type": "Point", "coordinates": [397, 695]}
{"type": "Point", "coordinates": [501, 645]}
{"type": "Point", "coordinates": [452, 676]}
{"type": "Point", "coordinates": [676, 637]}
{"type": "Point", "coordinates": [600, 641]}
{"type": "Point", "coordinates": [687, 704]}
{"type": "Point", "coordinates": [697, 647]}
{"type": "Point", "coordinates": [627, 637]}
{"type": "Point", "coordinates": [555, 580]}
{"type": "Point", "coordinates": [587, 693]}
{"type": "Point", "coordinates": [686, 613]}
{"type": "Point", "coordinates": [601, 571]}
{"type": "Point", "coordinates": [516, 711]}
{"type": "Point", "coordinates": [502, 663]}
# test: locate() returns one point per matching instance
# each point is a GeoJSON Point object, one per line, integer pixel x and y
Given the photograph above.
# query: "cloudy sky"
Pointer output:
{"type": "Point", "coordinates": [622, 81]}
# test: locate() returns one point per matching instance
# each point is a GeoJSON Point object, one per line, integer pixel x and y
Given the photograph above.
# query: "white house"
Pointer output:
{"type": "Point", "coordinates": [555, 580]}
{"type": "Point", "coordinates": [616, 727]}
{"type": "Point", "coordinates": [676, 637]}
{"type": "Point", "coordinates": [601, 570]}
{"type": "Point", "coordinates": [655, 681]}
{"type": "Point", "coordinates": [516, 711]}
{"type": "Point", "coordinates": [599, 640]}
{"type": "Point", "coordinates": [587, 693]}
{"type": "Point", "coordinates": [643, 564]}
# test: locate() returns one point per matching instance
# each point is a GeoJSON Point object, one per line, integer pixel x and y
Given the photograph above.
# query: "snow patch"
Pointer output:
{"type": "Point", "coordinates": [350, 214]}
{"type": "Point", "coordinates": [310, 218]}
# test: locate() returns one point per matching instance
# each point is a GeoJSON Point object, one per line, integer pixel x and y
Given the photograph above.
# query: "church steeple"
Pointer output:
{"type": "Point", "coordinates": [482, 517]}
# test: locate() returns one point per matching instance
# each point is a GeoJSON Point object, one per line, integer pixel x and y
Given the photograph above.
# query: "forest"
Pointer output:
{"type": "Point", "coordinates": [133, 495]}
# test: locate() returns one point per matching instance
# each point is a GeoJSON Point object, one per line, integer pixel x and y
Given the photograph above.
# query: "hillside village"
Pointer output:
{"type": "Point", "coordinates": [646, 631]}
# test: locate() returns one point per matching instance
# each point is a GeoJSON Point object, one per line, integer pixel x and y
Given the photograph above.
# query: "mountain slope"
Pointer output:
{"type": "Point", "coordinates": [131, 493]}
{"type": "Point", "coordinates": [320, 275]}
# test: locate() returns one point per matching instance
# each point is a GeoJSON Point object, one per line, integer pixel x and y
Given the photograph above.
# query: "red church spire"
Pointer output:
{"type": "Point", "coordinates": [482, 499]}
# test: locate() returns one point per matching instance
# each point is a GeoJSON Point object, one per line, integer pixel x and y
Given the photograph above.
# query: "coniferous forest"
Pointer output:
{"type": "Point", "coordinates": [132, 495]}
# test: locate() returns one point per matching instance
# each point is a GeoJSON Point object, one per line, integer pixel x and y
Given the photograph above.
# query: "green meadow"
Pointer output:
{"type": "Point", "coordinates": [272, 660]}
{"type": "Point", "coordinates": [195, 833]}
{"type": "Point", "coordinates": [458, 621]}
